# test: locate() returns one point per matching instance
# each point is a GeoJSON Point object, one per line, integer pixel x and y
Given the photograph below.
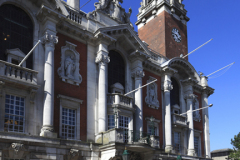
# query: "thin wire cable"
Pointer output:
{"type": "Point", "coordinates": [197, 48]}
{"type": "Point", "coordinates": [85, 4]}
{"type": "Point", "coordinates": [221, 73]}
{"type": "Point", "coordinates": [220, 69]}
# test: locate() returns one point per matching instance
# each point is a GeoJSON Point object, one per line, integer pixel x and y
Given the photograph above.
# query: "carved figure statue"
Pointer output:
{"type": "Point", "coordinates": [69, 66]}
{"type": "Point", "coordinates": [152, 93]}
{"type": "Point", "coordinates": [196, 114]}
{"type": "Point", "coordinates": [117, 10]}
{"type": "Point", "coordinates": [127, 17]}
{"type": "Point", "coordinates": [102, 4]}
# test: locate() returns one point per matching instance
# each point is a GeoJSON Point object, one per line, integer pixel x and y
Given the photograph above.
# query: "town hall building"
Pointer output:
{"type": "Point", "coordinates": [79, 94]}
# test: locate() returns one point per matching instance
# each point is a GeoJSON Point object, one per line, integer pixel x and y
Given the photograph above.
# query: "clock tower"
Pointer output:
{"type": "Point", "coordinates": [162, 24]}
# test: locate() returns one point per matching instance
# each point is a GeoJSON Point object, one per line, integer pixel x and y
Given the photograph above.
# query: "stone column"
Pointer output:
{"type": "Point", "coordinates": [205, 115]}
{"type": "Point", "coordinates": [137, 75]}
{"type": "Point", "coordinates": [102, 60]}
{"type": "Point", "coordinates": [48, 109]}
{"type": "Point", "coordinates": [167, 87]}
{"type": "Point", "coordinates": [189, 98]}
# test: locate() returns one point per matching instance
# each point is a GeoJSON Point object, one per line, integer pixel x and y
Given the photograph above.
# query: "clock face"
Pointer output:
{"type": "Point", "coordinates": [176, 35]}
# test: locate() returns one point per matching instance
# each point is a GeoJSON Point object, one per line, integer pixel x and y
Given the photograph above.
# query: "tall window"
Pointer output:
{"type": "Point", "coordinates": [196, 145]}
{"type": "Point", "coordinates": [177, 140]}
{"type": "Point", "coordinates": [123, 123]}
{"type": "Point", "coordinates": [174, 93]}
{"type": "Point", "coordinates": [68, 123]}
{"type": "Point", "coordinates": [116, 69]}
{"type": "Point", "coordinates": [16, 31]}
{"type": "Point", "coordinates": [14, 114]}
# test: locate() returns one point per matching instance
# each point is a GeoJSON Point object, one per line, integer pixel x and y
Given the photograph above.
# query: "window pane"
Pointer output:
{"type": "Point", "coordinates": [14, 119]}
{"type": "Point", "coordinates": [68, 123]}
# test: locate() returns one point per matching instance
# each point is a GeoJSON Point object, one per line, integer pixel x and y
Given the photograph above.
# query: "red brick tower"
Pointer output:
{"type": "Point", "coordinates": [163, 25]}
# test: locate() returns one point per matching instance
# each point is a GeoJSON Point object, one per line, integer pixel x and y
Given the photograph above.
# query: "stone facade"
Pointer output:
{"type": "Point", "coordinates": [66, 103]}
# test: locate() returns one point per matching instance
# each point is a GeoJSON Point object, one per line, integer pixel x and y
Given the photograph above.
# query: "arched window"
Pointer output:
{"type": "Point", "coordinates": [116, 70]}
{"type": "Point", "coordinates": [174, 93]}
{"type": "Point", "coordinates": [16, 31]}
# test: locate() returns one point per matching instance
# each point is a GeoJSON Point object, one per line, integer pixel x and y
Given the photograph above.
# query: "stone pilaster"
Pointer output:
{"type": "Point", "coordinates": [189, 98]}
{"type": "Point", "coordinates": [206, 92]}
{"type": "Point", "coordinates": [49, 41]}
{"type": "Point", "coordinates": [167, 87]}
{"type": "Point", "coordinates": [137, 75]}
{"type": "Point", "coordinates": [102, 59]}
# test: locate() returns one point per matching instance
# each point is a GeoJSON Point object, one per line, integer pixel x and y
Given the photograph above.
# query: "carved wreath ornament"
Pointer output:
{"type": "Point", "coordinates": [69, 70]}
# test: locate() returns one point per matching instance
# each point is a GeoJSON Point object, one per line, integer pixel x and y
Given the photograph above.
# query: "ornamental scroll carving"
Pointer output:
{"type": "Point", "coordinates": [152, 98]}
{"type": "Point", "coordinates": [69, 70]}
{"type": "Point", "coordinates": [138, 74]}
{"type": "Point", "coordinates": [167, 85]}
{"type": "Point", "coordinates": [17, 151]}
{"type": "Point", "coordinates": [102, 59]}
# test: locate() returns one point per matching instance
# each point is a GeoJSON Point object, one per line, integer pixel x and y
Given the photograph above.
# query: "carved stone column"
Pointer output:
{"type": "Point", "coordinates": [189, 98]}
{"type": "Point", "coordinates": [48, 108]}
{"type": "Point", "coordinates": [167, 87]}
{"type": "Point", "coordinates": [102, 60]}
{"type": "Point", "coordinates": [137, 75]}
{"type": "Point", "coordinates": [206, 92]}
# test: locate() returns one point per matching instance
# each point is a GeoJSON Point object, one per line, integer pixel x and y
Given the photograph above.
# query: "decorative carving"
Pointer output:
{"type": "Point", "coordinates": [196, 114]}
{"type": "Point", "coordinates": [138, 74]}
{"type": "Point", "coordinates": [189, 96]}
{"type": "Point", "coordinates": [116, 158]}
{"type": "Point", "coordinates": [152, 98]}
{"type": "Point", "coordinates": [114, 10]}
{"type": "Point", "coordinates": [154, 142]}
{"type": "Point", "coordinates": [69, 70]}
{"type": "Point", "coordinates": [17, 147]}
{"type": "Point", "coordinates": [32, 95]}
{"type": "Point", "coordinates": [49, 39]}
{"type": "Point", "coordinates": [16, 151]}
{"type": "Point", "coordinates": [167, 85]}
{"type": "Point", "coordinates": [72, 155]}
{"type": "Point", "coordinates": [102, 59]}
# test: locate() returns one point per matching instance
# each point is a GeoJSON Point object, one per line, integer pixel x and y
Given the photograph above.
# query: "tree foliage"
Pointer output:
{"type": "Point", "coordinates": [235, 154]}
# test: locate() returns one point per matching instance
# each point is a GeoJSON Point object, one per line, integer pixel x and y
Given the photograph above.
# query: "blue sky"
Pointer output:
{"type": "Point", "coordinates": [220, 20]}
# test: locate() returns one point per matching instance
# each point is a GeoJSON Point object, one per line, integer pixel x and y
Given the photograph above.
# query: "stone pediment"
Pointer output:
{"type": "Point", "coordinates": [126, 36]}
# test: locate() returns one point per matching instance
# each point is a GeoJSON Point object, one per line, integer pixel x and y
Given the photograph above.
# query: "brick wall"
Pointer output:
{"type": "Point", "coordinates": [60, 87]}
{"type": "Point", "coordinates": [158, 34]}
{"type": "Point", "coordinates": [147, 111]}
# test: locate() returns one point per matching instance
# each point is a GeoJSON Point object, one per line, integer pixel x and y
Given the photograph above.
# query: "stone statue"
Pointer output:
{"type": "Point", "coordinates": [127, 17]}
{"type": "Point", "coordinates": [152, 93]}
{"type": "Point", "coordinates": [196, 114]}
{"type": "Point", "coordinates": [102, 4]}
{"type": "Point", "coordinates": [69, 66]}
{"type": "Point", "coordinates": [117, 10]}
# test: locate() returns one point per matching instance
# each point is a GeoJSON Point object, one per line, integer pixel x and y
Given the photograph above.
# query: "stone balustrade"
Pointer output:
{"type": "Point", "coordinates": [74, 16]}
{"type": "Point", "coordinates": [179, 120]}
{"type": "Point", "coordinates": [12, 72]}
{"type": "Point", "coordinates": [119, 99]}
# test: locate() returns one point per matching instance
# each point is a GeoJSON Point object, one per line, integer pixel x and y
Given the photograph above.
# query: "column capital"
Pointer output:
{"type": "Point", "coordinates": [167, 86]}
{"type": "Point", "coordinates": [189, 82]}
{"type": "Point", "coordinates": [102, 59]}
{"type": "Point", "coordinates": [190, 96]}
{"type": "Point", "coordinates": [49, 39]}
{"type": "Point", "coordinates": [208, 91]}
{"type": "Point", "coordinates": [138, 74]}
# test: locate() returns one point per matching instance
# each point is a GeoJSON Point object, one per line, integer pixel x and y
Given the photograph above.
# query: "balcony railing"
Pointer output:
{"type": "Point", "coordinates": [179, 120]}
{"type": "Point", "coordinates": [74, 15]}
{"type": "Point", "coordinates": [127, 136]}
{"type": "Point", "coordinates": [118, 99]}
{"type": "Point", "coordinates": [11, 72]}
